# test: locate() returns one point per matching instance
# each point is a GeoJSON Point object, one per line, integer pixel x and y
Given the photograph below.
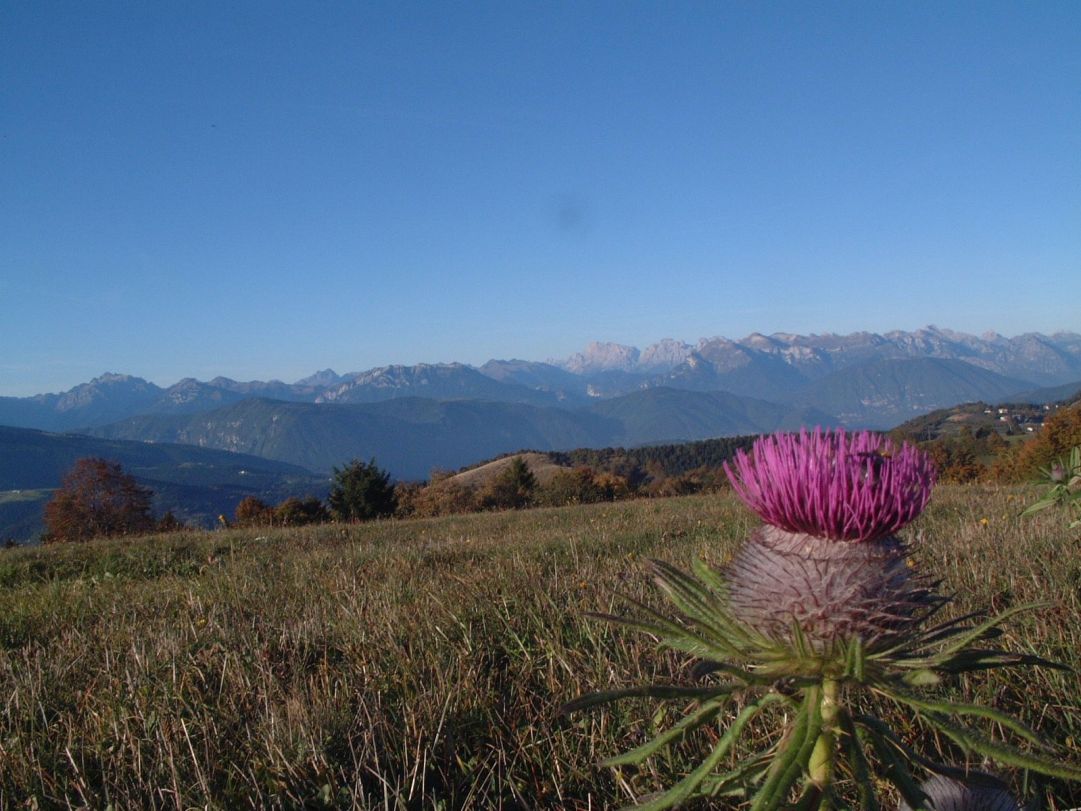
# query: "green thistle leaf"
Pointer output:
{"type": "Point", "coordinates": [947, 708]}
{"type": "Point", "coordinates": [880, 737]}
{"type": "Point", "coordinates": [1004, 753]}
{"type": "Point", "coordinates": [687, 788]}
{"type": "Point", "coordinates": [791, 760]}
{"type": "Point", "coordinates": [706, 713]}
{"type": "Point", "coordinates": [861, 769]}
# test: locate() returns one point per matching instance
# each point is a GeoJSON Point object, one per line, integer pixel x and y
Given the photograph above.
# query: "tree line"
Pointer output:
{"type": "Point", "coordinates": [98, 499]}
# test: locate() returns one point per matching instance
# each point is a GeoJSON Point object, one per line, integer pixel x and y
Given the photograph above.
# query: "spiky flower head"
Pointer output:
{"type": "Point", "coordinates": [831, 484]}
{"type": "Point", "coordinates": [807, 487]}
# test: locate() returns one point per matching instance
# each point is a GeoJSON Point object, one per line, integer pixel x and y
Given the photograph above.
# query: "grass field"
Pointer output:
{"type": "Point", "coordinates": [420, 664]}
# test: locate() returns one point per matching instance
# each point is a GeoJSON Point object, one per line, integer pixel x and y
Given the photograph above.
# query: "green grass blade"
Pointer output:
{"type": "Point", "coordinates": [648, 691]}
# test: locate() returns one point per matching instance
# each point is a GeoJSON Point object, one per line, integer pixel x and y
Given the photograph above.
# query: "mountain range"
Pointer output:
{"type": "Point", "coordinates": [448, 415]}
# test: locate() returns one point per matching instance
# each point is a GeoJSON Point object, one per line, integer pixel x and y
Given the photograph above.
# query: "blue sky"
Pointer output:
{"type": "Point", "coordinates": [261, 190]}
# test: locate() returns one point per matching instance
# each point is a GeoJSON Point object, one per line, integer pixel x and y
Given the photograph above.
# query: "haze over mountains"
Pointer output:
{"type": "Point", "coordinates": [413, 418]}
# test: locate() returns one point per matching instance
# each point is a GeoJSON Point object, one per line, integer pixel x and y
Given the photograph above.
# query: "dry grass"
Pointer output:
{"type": "Point", "coordinates": [420, 664]}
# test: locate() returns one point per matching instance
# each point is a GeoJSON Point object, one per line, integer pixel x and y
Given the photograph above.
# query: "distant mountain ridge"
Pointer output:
{"type": "Point", "coordinates": [441, 381]}
{"type": "Point", "coordinates": [773, 367]}
{"type": "Point", "coordinates": [413, 418]}
{"type": "Point", "coordinates": [1042, 359]}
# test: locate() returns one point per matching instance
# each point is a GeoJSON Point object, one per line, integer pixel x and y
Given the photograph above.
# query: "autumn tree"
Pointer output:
{"type": "Point", "coordinates": [1060, 433]}
{"type": "Point", "coordinates": [97, 498]}
{"type": "Point", "coordinates": [252, 512]}
{"type": "Point", "coordinates": [444, 496]}
{"type": "Point", "coordinates": [361, 491]}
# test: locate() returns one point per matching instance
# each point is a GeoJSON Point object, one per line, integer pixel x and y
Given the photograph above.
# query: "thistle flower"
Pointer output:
{"type": "Point", "coordinates": [833, 485]}
{"type": "Point", "coordinates": [851, 491]}
{"type": "Point", "coordinates": [824, 600]}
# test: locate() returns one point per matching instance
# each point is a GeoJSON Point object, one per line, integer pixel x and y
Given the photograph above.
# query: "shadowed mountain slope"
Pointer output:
{"type": "Point", "coordinates": [883, 393]}
{"type": "Point", "coordinates": [666, 415]}
{"type": "Point", "coordinates": [407, 436]}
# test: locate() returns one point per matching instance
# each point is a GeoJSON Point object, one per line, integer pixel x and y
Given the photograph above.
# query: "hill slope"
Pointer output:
{"type": "Point", "coordinates": [197, 484]}
{"type": "Point", "coordinates": [664, 415]}
{"type": "Point", "coordinates": [407, 436]}
{"type": "Point", "coordinates": [883, 393]}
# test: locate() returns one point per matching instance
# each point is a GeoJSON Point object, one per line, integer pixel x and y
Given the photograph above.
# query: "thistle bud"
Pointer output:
{"type": "Point", "coordinates": [833, 591]}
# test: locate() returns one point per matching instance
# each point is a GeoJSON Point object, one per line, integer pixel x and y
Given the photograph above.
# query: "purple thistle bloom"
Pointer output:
{"type": "Point", "coordinates": [829, 484]}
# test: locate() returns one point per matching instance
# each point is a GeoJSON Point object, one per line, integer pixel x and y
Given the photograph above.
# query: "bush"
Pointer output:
{"type": "Point", "coordinates": [444, 496]}
{"type": "Point", "coordinates": [582, 485]}
{"type": "Point", "coordinates": [1060, 433]}
{"type": "Point", "coordinates": [295, 512]}
{"type": "Point", "coordinates": [169, 523]}
{"type": "Point", "coordinates": [252, 512]}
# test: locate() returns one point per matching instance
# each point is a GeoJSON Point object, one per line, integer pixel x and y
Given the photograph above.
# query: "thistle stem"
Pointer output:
{"type": "Point", "coordinates": [820, 768]}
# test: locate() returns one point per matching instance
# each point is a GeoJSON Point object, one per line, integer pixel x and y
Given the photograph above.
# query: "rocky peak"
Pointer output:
{"type": "Point", "coordinates": [664, 355]}
{"type": "Point", "coordinates": [603, 357]}
{"type": "Point", "coordinates": [326, 377]}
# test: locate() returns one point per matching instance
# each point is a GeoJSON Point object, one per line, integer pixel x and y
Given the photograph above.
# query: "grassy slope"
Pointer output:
{"type": "Point", "coordinates": [540, 465]}
{"type": "Point", "coordinates": [398, 664]}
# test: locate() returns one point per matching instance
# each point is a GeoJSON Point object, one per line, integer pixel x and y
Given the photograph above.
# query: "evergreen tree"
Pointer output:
{"type": "Point", "coordinates": [361, 492]}
{"type": "Point", "coordinates": [512, 489]}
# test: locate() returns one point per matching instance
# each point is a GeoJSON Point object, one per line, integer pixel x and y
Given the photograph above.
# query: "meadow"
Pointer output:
{"type": "Point", "coordinates": [421, 664]}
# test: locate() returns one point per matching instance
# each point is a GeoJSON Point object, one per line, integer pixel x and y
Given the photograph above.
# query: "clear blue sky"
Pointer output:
{"type": "Point", "coordinates": [263, 189]}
